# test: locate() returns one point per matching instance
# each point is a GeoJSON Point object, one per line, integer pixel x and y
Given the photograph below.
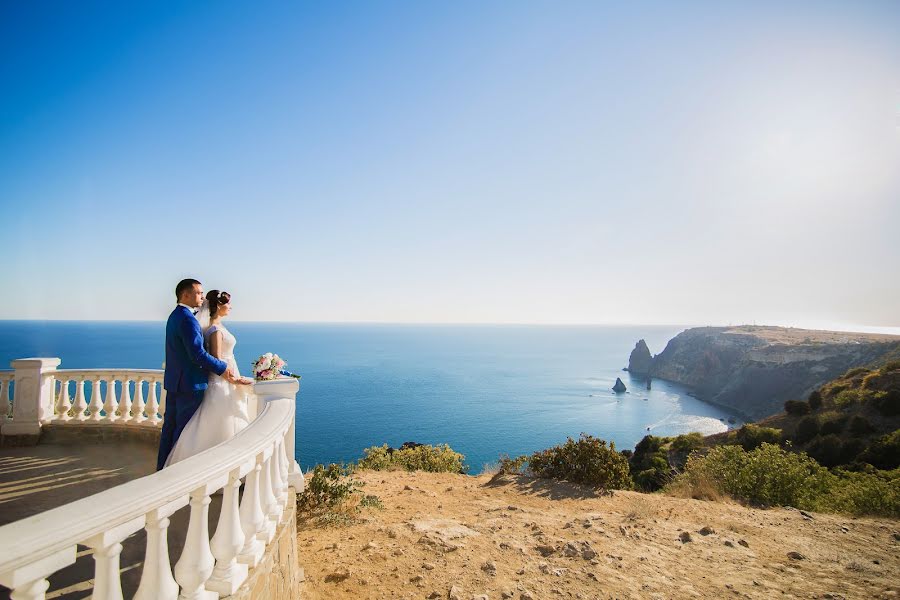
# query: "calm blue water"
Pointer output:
{"type": "Point", "coordinates": [483, 389]}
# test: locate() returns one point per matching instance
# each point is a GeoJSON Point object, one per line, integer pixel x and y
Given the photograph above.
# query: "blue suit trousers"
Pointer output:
{"type": "Point", "coordinates": [180, 407]}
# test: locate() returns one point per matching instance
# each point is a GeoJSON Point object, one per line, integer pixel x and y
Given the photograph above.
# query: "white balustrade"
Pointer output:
{"type": "Point", "coordinates": [32, 549]}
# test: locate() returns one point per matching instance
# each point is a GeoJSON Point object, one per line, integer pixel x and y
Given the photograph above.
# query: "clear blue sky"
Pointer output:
{"type": "Point", "coordinates": [690, 162]}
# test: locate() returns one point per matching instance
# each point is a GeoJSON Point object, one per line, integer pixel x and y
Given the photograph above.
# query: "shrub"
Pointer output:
{"type": "Point", "coordinates": [827, 450]}
{"type": "Point", "coordinates": [328, 487]}
{"type": "Point", "coordinates": [884, 453]}
{"type": "Point", "coordinates": [859, 425]}
{"type": "Point", "coordinates": [687, 443]}
{"type": "Point", "coordinates": [752, 436]}
{"type": "Point", "coordinates": [435, 459]}
{"type": "Point", "coordinates": [766, 476]}
{"type": "Point", "coordinates": [854, 372]}
{"type": "Point", "coordinates": [771, 476]}
{"type": "Point", "coordinates": [588, 460]}
{"type": "Point", "coordinates": [887, 402]}
{"type": "Point", "coordinates": [807, 429]}
{"type": "Point", "coordinates": [875, 493]}
{"type": "Point", "coordinates": [846, 398]}
{"type": "Point", "coordinates": [796, 407]}
{"type": "Point", "coordinates": [815, 400]}
{"type": "Point", "coordinates": [512, 466]}
{"type": "Point", "coordinates": [832, 423]}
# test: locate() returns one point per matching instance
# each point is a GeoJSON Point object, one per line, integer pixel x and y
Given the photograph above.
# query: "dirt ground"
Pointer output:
{"type": "Point", "coordinates": [459, 537]}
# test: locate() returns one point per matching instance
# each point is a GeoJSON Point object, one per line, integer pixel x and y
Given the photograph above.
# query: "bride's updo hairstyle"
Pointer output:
{"type": "Point", "coordinates": [215, 298]}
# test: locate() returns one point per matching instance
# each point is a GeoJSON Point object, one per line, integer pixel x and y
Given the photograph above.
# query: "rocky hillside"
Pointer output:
{"type": "Point", "coordinates": [445, 536]}
{"type": "Point", "coordinates": [754, 370]}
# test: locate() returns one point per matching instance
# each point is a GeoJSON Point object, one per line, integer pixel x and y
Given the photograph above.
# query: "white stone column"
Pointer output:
{"type": "Point", "coordinates": [157, 582]}
{"type": "Point", "coordinates": [268, 501]}
{"type": "Point", "coordinates": [273, 390]}
{"type": "Point", "coordinates": [252, 518]}
{"type": "Point", "coordinates": [96, 400]}
{"type": "Point", "coordinates": [107, 547]}
{"type": "Point", "coordinates": [196, 562]}
{"type": "Point", "coordinates": [228, 574]}
{"type": "Point", "coordinates": [80, 404]}
{"type": "Point", "coordinates": [33, 403]}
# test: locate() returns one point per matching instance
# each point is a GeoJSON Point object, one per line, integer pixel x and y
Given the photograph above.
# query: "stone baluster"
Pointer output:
{"type": "Point", "coordinates": [157, 582]}
{"type": "Point", "coordinates": [63, 401]}
{"type": "Point", "coordinates": [252, 518]}
{"type": "Point", "coordinates": [269, 503]}
{"type": "Point", "coordinates": [162, 400]}
{"type": "Point", "coordinates": [80, 405]}
{"type": "Point", "coordinates": [96, 400]}
{"type": "Point", "coordinates": [152, 404]}
{"type": "Point", "coordinates": [196, 562]}
{"type": "Point", "coordinates": [107, 548]}
{"type": "Point", "coordinates": [137, 411]}
{"type": "Point", "coordinates": [228, 574]}
{"type": "Point", "coordinates": [111, 403]}
{"type": "Point", "coordinates": [283, 461]}
{"type": "Point", "coordinates": [30, 581]}
{"type": "Point", "coordinates": [125, 400]}
{"type": "Point", "coordinates": [279, 485]}
{"type": "Point", "coordinates": [5, 404]}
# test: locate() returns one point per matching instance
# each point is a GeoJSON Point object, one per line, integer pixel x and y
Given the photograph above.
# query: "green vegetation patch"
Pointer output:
{"type": "Point", "coordinates": [587, 460]}
{"type": "Point", "coordinates": [434, 459]}
{"type": "Point", "coordinates": [773, 476]}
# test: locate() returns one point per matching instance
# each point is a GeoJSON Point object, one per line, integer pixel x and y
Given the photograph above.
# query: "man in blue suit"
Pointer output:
{"type": "Point", "coordinates": [188, 366]}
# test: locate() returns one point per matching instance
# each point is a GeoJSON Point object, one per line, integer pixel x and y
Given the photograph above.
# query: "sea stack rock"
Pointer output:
{"type": "Point", "coordinates": [619, 387]}
{"type": "Point", "coordinates": [640, 359]}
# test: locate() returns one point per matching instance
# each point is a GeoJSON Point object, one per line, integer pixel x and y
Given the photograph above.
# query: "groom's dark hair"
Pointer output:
{"type": "Point", "coordinates": [184, 285]}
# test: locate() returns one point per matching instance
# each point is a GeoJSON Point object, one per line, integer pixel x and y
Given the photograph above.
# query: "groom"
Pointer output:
{"type": "Point", "coordinates": [188, 366]}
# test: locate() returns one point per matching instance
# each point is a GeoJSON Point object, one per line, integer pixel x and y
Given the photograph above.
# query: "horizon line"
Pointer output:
{"type": "Point", "coordinates": [834, 327]}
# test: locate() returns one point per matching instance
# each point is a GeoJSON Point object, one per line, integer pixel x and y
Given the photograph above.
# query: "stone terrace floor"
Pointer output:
{"type": "Point", "coordinates": [37, 478]}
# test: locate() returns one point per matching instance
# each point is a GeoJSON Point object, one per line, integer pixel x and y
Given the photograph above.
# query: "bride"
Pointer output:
{"type": "Point", "coordinates": [223, 411]}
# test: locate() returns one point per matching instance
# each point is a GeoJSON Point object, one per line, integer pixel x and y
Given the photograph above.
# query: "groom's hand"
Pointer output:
{"type": "Point", "coordinates": [230, 376]}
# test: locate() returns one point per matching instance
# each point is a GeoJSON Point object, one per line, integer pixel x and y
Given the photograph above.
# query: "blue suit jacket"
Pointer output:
{"type": "Point", "coordinates": [188, 364]}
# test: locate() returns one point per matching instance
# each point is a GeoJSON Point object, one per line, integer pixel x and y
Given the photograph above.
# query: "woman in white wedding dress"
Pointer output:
{"type": "Point", "coordinates": [223, 411]}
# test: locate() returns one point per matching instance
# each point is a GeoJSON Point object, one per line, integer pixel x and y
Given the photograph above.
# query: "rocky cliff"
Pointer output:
{"type": "Point", "coordinates": [753, 370]}
{"type": "Point", "coordinates": [640, 359]}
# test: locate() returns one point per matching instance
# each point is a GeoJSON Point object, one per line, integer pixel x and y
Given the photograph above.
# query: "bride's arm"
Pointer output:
{"type": "Point", "coordinates": [215, 344]}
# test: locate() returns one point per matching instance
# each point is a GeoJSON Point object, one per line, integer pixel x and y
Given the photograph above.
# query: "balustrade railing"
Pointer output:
{"type": "Point", "coordinates": [125, 396]}
{"type": "Point", "coordinates": [261, 456]}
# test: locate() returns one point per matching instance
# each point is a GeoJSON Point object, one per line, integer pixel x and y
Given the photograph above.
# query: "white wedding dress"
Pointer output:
{"type": "Point", "coordinates": [223, 411]}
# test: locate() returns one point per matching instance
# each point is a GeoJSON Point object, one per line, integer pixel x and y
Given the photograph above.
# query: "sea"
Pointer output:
{"type": "Point", "coordinates": [486, 390]}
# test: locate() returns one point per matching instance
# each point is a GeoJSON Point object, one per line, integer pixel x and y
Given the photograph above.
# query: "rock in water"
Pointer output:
{"type": "Point", "coordinates": [619, 387]}
{"type": "Point", "coordinates": [640, 359]}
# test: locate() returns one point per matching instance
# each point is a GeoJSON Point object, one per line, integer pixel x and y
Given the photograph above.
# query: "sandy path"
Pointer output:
{"type": "Point", "coordinates": [452, 536]}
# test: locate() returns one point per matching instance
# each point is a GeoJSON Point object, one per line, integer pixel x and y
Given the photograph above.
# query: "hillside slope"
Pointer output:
{"type": "Point", "coordinates": [522, 538]}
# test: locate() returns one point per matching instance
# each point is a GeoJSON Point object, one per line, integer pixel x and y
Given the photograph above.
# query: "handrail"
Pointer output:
{"type": "Point", "coordinates": [28, 540]}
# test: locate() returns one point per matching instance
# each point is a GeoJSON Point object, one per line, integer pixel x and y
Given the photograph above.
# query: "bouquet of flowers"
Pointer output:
{"type": "Point", "coordinates": [269, 366]}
